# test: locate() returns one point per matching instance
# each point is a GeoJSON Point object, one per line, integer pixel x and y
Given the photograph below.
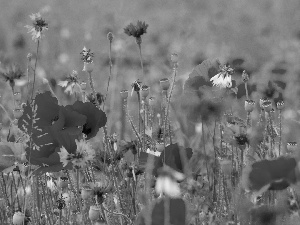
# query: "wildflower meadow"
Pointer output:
{"type": "Point", "coordinates": [129, 131]}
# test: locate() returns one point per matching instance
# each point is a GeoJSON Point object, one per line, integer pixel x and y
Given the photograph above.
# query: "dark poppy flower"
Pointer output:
{"type": "Point", "coordinates": [96, 118]}
{"type": "Point", "coordinates": [170, 158]}
{"type": "Point", "coordinates": [275, 174]}
{"type": "Point", "coordinates": [50, 126]}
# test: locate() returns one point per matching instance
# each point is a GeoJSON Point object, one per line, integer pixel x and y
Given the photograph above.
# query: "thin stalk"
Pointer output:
{"type": "Point", "coordinates": [117, 214]}
{"type": "Point", "coordinates": [14, 183]}
{"type": "Point", "coordinates": [246, 87]}
{"type": "Point", "coordinates": [144, 123]}
{"type": "Point", "coordinates": [280, 131]}
{"type": "Point", "coordinates": [139, 100]}
{"type": "Point", "coordinates": [110, 73]}
{"type": "Point", "coordinates": [34, 71]}
{"type": "Point", "coordinates": [27, 73]}
{"type": "Point", "coordinates": [50, 220]}
{"type": "Point", "coordinates": [141, 60]}
{"type": "Point", "coordinates": [168, 102]}
{"type": "Point", "coordinates": [4, 190]}
{"type": "Point", "coordinates": [10, 119]}
{"type": "Point", "coordinates": [118, 190]}
{"type": "Point", "coordinates": [167, 211]}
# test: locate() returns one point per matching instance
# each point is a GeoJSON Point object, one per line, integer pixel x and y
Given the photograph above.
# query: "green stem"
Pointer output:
{"type": "Point", "coordinates": [246, 87]}
{"type": "Point", "coordinates": [141, 60]}
{"type": "Point", "coordinates": [110, 74]}
{"type": "Point", "coordinates": [34, 71]}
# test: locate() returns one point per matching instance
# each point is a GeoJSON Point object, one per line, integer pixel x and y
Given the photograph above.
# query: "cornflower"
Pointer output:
{"type": "Point", "coordinates": [39, 26]}
{"type": "Point", "coordinates": [11, 74]}
{"type": "Point", "coordinates": [71, 84]}
{"type": "Point", "coordinates": [84, 153]}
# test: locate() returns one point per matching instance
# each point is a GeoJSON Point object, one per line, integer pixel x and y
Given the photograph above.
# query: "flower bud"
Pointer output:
{"type": "Point", "coordinates": [267, 106]}
{"type": "Point", "coordinates": [245, 77]}
{"type": "Point", "coordinates": [110, 36]}
{"type": "Point", "coordinates": [88, 67]}
{"type": "Point", "coordinates": [145, 91]}
{"type": "Point", "coordinates": [94, 213]}
{"type": "Point", "coordinates": [261, 101]}
{"type": "Point", "coordinates": [18, 218]}
{"type": "Point", "coordinates": [249, 105]}
{"type": "Point", "coordinates": [280, 105]}
{"type": "Point", "coordinates": [124, 94]}
{"type": "Point", "coordinates": [164, 84]}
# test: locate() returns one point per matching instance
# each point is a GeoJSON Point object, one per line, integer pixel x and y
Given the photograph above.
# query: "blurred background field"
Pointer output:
{"type": "Point", "coordinates": [262, 37]}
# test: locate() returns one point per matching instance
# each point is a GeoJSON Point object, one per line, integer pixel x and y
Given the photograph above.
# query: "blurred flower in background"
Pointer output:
{"type": "Point", "coordinates": [71, 84]}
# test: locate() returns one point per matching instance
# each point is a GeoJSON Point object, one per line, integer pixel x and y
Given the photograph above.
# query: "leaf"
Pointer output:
{"type": "Point", "coordinates": [176, 213]}
{"type": "Point", "coordinates": [201, 75]}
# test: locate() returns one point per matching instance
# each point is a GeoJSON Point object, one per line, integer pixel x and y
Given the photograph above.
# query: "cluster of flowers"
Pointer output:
{"type": "Point", "coordinates": [59, 134]}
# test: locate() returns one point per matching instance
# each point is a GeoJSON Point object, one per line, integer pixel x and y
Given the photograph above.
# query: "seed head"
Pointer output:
{"type": "Point", "coordinates": [245, 77]}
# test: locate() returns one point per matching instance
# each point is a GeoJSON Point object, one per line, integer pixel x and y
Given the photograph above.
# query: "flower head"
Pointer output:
{"type": "Point", "coordinates": [87, 55]}
{"type": "Point", "coordinates": [65, 156]}
{"type": "Point", "coordinates": [223, 78]}
{"type": "Point", "coordinates": [136, 86]}
{"type": "Point", "coordinates": [100, 98]}
{"type": "Point", "coordinates": [39, 26]}
{"type": "Point", "coordinates": [168, 186]}
{"type": "Point", "coordinates": [136, 30]}
{"type": "Point", "coordinates": [84, 153]}
{"type": "Point", "coordinates": [11, 74]}
{"type": "Point", "coordinates": [71, 84]}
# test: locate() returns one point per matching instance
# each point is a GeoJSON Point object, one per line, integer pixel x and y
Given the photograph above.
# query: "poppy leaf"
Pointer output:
{"type": "Point", "coordinates": [201, 74]}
